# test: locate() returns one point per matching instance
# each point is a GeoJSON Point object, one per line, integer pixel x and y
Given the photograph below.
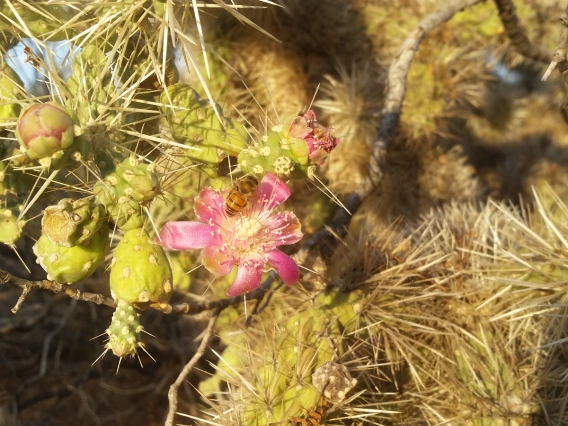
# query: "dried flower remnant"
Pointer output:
{"type": "Point", "coordinates": [249, 239]}
{"type": "Point", "coordinates": [317, 137]}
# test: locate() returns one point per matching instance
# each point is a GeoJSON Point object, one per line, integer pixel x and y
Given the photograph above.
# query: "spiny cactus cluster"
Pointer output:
{"type": "Point", "coordinates": [436, 321]}
{"type": "Point", "coordinates": [100, 149]}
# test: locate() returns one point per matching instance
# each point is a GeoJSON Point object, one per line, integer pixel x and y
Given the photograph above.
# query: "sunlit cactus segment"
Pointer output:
{"type": "Point", "coordinates": [68, 265]}
{"type": "Point", "coordinates": [72, 222]}
{"type": "Point", "coordinates": [140, 271]}
{"type": "Point", "coordinates": [90, 88]}
{"type": "Point", "coordinates": [124, 331]}
{"type": "Point", "coordinates": [194, 122]}
{"type": "Point", "coordinates": [10, 92]}
{"type": "Point", "coordinates": [45, 131]}
{"type": "Point", "coordinates": [290, 150]}
{"type": "Point", "coordinates": [42, 20]}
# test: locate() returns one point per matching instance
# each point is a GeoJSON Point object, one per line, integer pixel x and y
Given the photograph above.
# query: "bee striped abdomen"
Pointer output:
{"type": "Point", "coordinates": [235, 202]}
{"type": "Point", "coordinates": [240, 194]}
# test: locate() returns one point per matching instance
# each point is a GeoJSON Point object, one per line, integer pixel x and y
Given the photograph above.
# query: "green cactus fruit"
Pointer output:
{"type": "Point", "coordinates": [11, 88]}
{"type": "Point", "coordinates": [10, 227]}
{"type": "Point", "coordinates": [126, 191]}
{"type": "Point", "coordinates": [142, 184]}
{"type": "Point", "coordinates": [140, 272]}
{"type": "Point", "coordinates": [72, 222]}
{"type": "Point", "coordinates": [68, 265]}
{"type": "Point", "coordinates": [44, 132]}
{"type": "Point", "coordinates": [124, 331]}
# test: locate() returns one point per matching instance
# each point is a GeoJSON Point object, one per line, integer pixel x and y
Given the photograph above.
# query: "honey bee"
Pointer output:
{"type": "Point", "coordinates": [239, 196]}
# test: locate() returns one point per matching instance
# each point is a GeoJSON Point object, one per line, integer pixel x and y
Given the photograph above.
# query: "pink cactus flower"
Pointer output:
{"type": "Point", "coordinates": [318, 138]}
{"type": "Point", "coordinates": [248, 239]}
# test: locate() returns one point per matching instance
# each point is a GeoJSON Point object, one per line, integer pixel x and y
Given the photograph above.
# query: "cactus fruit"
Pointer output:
{"type": "Point", "coordinates": [140, 272]}
{"type": "Point", "coordinates": [10, 227]}
{"type": "Point", "coordinates": [125, 191]}
{"type": "Point", "coordinates": [44, 132]}
{"type": "Point", "coordinates": [72, 222]}
{"type": "Point", "coordinates": [68, 265]}
{"type": "Point", "coordinates": [124, 331]}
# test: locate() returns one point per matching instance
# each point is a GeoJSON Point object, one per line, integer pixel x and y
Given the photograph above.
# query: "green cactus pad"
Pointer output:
{"type": "Point", "coordinates": [140, 272]}
{"type": "Point", "coordinates": [124, 331]}
{"type": "Point", "coordinates": [194, 122]}
{"type": "Point", "coordinates": [68, 265]}
{"type": "Point", "coordinates": [11, 87]}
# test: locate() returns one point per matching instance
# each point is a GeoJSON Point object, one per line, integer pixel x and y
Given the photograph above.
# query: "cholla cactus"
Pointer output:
{"type": "Point", "coordinates": [10, 226]}
{"type": "Point", "coordinates": [195, 123]}
{"type": "Point", "coordinates": [11, 89]}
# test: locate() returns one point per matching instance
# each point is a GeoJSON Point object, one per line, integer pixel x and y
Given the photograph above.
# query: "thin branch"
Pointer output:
{"type": "Point", "coordinates": [99, 299]}
{"type": "Point", "coordinates": [174, 388]}
{"type": "Point", "coordinates": [517, 34]}
{"type": "Point", "coordinates": [559, 56]}
{"type": "Point", "coordinates": [192, 308]}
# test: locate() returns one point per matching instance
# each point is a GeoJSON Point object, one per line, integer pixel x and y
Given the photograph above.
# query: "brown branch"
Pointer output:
{"type": "Point", "coordinates": [99, 299]}
{"type": "Point", "coordinates": [180, 308]}
{"type": "Point", "coordinates": [174, 388]}
{"type": "Point", "coordinates": [517, 34]}
{"type": "Point", "coordinates": [559, 59]}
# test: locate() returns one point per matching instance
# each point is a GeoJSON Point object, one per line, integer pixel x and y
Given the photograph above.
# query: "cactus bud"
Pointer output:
{"type": "Point", "coordinates": [140, 272]}
{"type": "Point", "coordinates": [44, 131]}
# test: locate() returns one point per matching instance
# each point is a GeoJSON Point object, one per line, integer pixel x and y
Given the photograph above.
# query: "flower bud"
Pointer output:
{"type": "Point", "coordinates": [44, 130]}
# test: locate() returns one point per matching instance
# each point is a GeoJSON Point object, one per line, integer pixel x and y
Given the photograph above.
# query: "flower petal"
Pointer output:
{"type": "Point", "coordinates": [217, 261]}
{"type": "Point", "coordinates": [286, 267]}
{"type": "Point", "coordinates": [248, 277]}
{"type": "Point", "coordinates": [279, 229]}
{"type": "Point", "coordinates": [271, 192]}
{"type": "Point", "coordinates": [210, 206]}
{"type": "Point", "coordinates": [188, 235]}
